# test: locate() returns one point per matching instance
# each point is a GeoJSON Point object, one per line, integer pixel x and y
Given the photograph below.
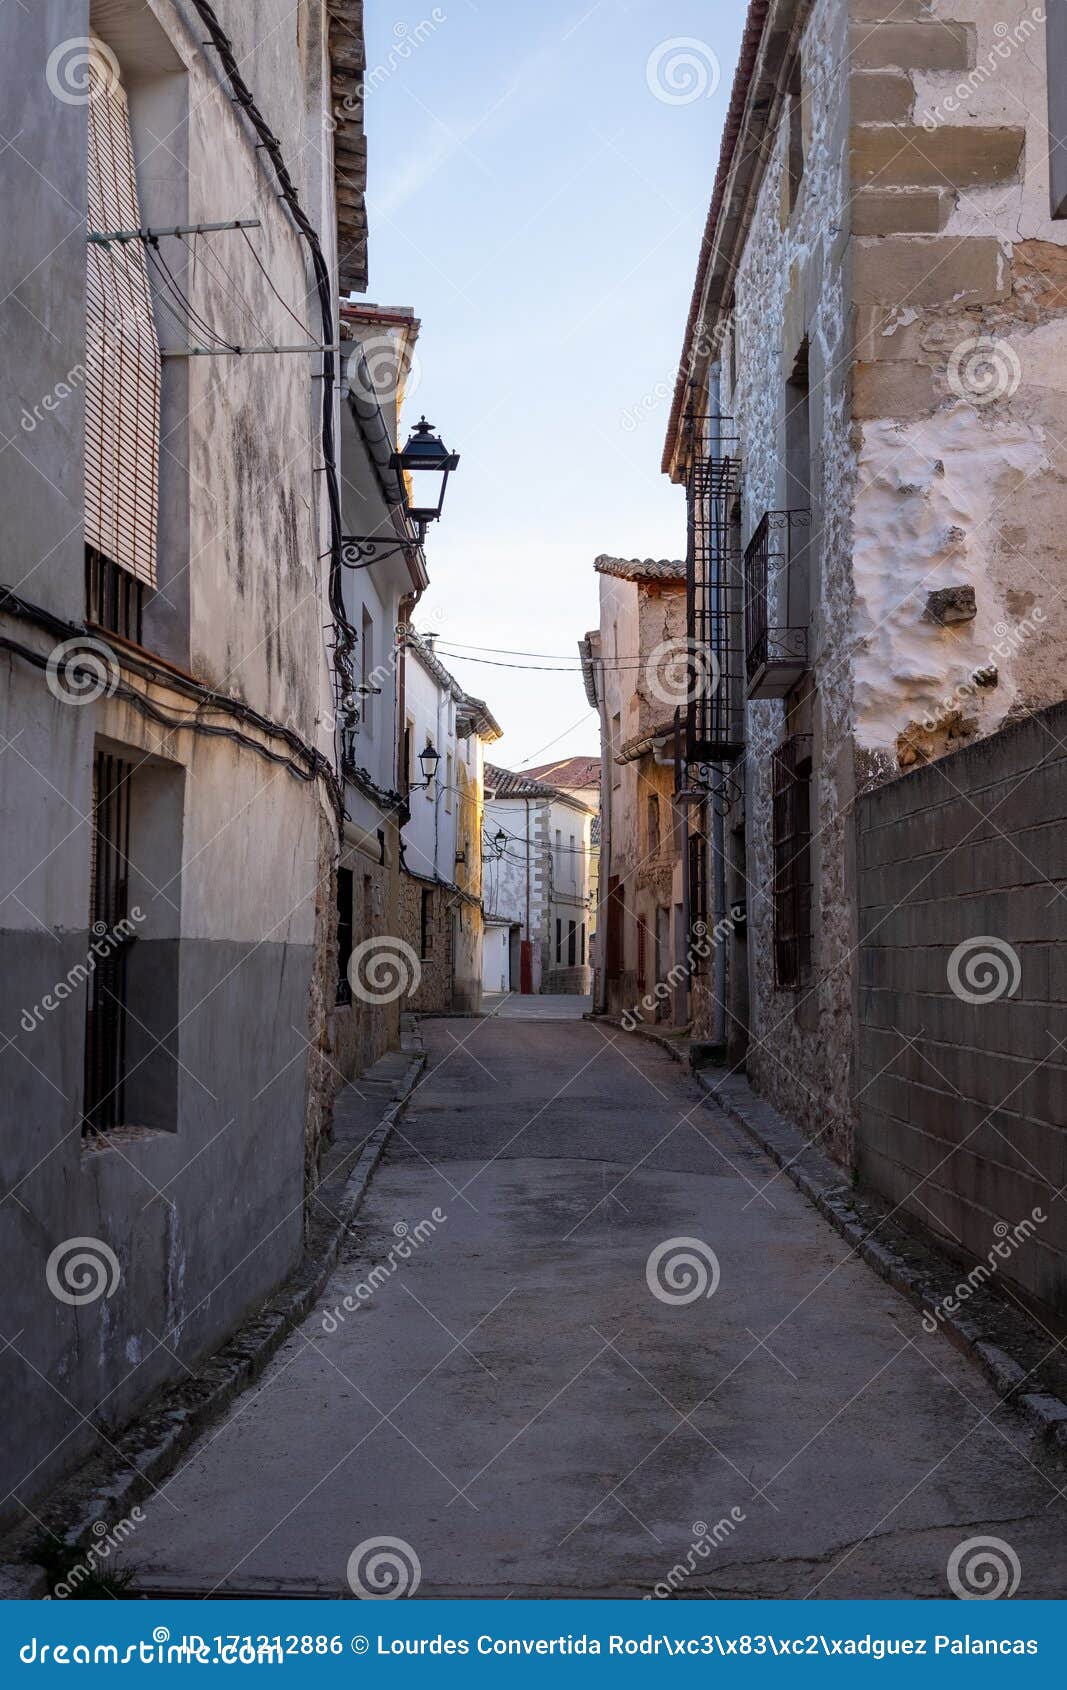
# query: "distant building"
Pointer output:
{"type": "Point", "coordinates": [635, 670]}
{"type": "Point", "coordinates": [441, 857]}
{"type": "Point", "coordinates": [580, 776]}
{"type": "Point", "coordinates": [538, 887]}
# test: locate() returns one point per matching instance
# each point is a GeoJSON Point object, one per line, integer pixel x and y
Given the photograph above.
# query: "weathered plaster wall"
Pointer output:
{"type": "Point", "coordinates": [792, 285]}
{"type": "Point", "coordinates": [960, 393]}
{"type": "Point", "coordinates": [201, 1203]}
{"type": "Point", "coordinates": [516, 886]}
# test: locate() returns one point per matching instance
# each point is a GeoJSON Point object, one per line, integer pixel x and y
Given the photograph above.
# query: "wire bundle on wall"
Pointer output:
{"type": "Point", "coordinates": [346, 637]}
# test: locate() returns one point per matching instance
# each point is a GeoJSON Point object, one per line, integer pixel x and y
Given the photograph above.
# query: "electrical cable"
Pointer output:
{"type": "Point", "coordinates": [168, 281]}
{"type": "Point", "coordinates": [315, 765]}
{"type": "Point", "coordinates": [230, 285]}
{"type": "Point", "coordinates": [346, 637]}
{"type": "Point", "coordinates": [266, 276]}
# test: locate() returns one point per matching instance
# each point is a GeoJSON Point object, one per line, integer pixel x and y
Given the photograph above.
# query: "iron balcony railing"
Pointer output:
{"type": "Point", "coordinates": [776, 648]}
{"type": "Point", "coordinates": [714, 713]}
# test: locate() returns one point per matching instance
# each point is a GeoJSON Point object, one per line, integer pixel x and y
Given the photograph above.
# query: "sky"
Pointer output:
{"type": "Point", "coordinates": [539, 176]}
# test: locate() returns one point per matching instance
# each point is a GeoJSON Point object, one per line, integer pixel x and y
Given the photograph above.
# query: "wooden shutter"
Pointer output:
{"type": "Point", "coordinates": [122, 360]}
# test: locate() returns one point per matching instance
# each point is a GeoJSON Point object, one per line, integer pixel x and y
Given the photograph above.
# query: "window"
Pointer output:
{"type": "Point", "coordinates": [616, 740]}
{"type": "Point", "coordinates": [122, 374]}
{"type": "Point", "coordinates": [792, 862]}
{"type": "Point", "coordinates": [109, 906]}
{"type": "Point", "coordinates": [426, 925]}
{"type": "Point", "coordinates": [582, 958]}
{"type": "Point", "coordinates": [344, 934]}
{"type": "Point", "coordinates": [798, 490]}
{"type": "Point", "coordinates": [795, 139]}
{"type": "Point", "coordinates": [410, 774]}
{"type": "Point", "coordinates": [653, 826]}
{"type": "Point", "coordinates": [573, 862]}
{"type": "Point", "coordinates": [449, 778]}
{"type": "Point", "coordinates": [559, 939]}
{"type": "Point", "coordinates": [698, 883]}
{"type": "Point", "coordinates": [572, 943]}
{"type": "Point", "coordinates": [366, 672]}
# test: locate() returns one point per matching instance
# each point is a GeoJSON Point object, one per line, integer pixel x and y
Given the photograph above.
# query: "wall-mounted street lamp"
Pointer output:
{"type": "Point", "coordinates": [427, 463]}
{"type": "Point", "coordinates": [428, 761]}
{"type": "Point", "coordinates": [499, 845]}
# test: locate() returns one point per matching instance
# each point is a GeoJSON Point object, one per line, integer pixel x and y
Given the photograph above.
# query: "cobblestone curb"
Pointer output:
{"type": "Point", "coordinates": [107, 1488]}
{"type": "Point", "coordinates": [1020, 1375]}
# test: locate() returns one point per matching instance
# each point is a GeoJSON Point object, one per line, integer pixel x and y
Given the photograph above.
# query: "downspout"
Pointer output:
{"type": "Point", "coordinates": [718, 822]}
{"type": "Point", "coordinates": [604, 911]}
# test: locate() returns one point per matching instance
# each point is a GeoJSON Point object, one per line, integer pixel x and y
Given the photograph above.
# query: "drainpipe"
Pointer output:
{"type": "Point", "coordinates": [718, 829]}
{"type": "Point", "coordinates": [600, 1001]}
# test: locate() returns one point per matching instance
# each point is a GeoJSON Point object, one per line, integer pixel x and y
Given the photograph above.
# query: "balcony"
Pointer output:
{"type": "Point", "coordinates": [776, 654]}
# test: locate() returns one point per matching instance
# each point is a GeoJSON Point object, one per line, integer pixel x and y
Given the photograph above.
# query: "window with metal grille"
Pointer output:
{"type": "Point", "coordinates": [698, 888]}
{"type": "Point", "coordinates": [572, 943]}
{"type": "Point", "coordinates": [122, 371]}
{"type": "Point", "coordinates": [613, 945]}
{"type": "Point", "coordinates": [344, 934]}
{"type": "Point", "coordinates": [714, 728]}
{"type": "Point", "coordinates": [106, 1014]}
{"type": "Point", "coordinates": [792, 862]}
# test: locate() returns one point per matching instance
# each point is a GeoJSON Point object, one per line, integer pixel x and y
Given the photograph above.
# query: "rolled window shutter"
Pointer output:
{"type": "Point", "coordinates": [122, 363]}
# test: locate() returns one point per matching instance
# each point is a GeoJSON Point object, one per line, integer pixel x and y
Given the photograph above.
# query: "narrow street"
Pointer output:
{"type": "Point", "coordinates": [516, 1406]}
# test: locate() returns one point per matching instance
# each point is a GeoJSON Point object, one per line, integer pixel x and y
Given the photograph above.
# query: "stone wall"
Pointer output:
{"type": "Point", "coordinates": [959, 389]}
{"type": "Point", "coordinates": [359, 1032]}
{"type": "Point", "coordinates": [963, 997]}
{"type": "Point", "coordinates": [434, 973]}
{"type": "Point", "coordinates": [792, 288]}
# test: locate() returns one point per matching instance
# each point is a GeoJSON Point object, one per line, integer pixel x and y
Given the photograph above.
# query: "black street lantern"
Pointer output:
{"type": "Point", "coordinates": [428, 761]}
{"type": "Point", "coordinates": [500, 840]}
{"type": "Point", "coordinates": [427, 463]}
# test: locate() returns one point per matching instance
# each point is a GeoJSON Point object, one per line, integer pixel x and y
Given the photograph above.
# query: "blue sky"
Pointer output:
{"type": "Point", "coordinates": [538, 182]}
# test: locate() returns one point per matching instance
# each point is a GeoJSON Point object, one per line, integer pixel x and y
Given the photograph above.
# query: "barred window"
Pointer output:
{"type": "Point", "coordinates": [122, 361]}
{"type": "Point", "coordinates": [792, 862]}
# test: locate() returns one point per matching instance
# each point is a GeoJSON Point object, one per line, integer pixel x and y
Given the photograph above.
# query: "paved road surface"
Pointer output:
{"type": "Point", "coordinates": [517, 1405]}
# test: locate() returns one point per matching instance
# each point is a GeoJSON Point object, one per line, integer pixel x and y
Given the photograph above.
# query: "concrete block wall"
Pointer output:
{"type": "Point", "coordinates": [962, 1082]}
